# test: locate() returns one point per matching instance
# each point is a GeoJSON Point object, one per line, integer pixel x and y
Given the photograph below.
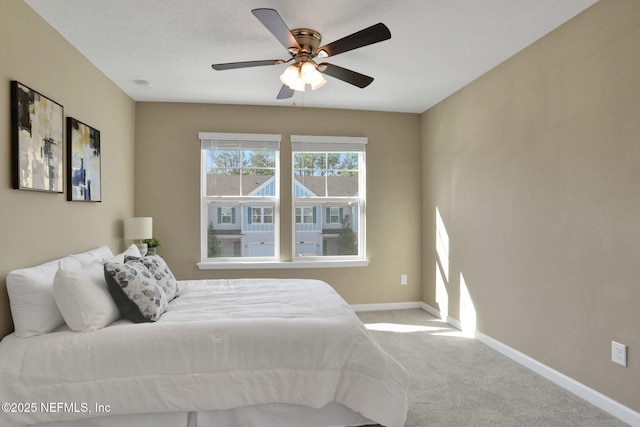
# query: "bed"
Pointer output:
{"type": "Point", "coordinates": [242, 352]}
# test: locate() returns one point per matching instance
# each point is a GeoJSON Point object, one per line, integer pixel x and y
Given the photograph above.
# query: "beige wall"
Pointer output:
{"type": "Point", "coordinates": [167, 188]}
{"type": "Point", "coordinates": [37, 227]}
{"type": "Point", "coordinates": [534, 168]}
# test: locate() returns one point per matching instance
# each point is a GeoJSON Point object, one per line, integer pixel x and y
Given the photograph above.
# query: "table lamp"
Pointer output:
{"type": "Point", "coordinates": [139, 229]}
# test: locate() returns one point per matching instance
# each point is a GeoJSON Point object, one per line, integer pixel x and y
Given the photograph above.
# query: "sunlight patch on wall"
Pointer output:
{"type": "Point", "coordinates": [442, 297]}
{"type": "Point", "coordinates": [442, 244]}
{"type": "Point", "coordinates": [467, 309]}
{"type": "Point", "coordinates": [442, 266]}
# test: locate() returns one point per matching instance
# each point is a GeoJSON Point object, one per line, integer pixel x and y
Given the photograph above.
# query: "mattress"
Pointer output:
{"type": "Point", "coordinates": [221, 345]}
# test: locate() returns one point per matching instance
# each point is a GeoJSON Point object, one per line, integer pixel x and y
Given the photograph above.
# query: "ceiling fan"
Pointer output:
{"type": "Point", "coordinates": [302, 44]}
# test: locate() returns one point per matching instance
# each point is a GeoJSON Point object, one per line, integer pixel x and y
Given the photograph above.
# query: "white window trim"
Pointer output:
{"type": "Point", "coordinates": [273, 265]}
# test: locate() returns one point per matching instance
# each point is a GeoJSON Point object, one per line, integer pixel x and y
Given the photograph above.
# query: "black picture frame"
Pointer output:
{"type": "Point", "coordinates": [84, 177]}
{"type": "Point", "coordinates": [37, 140]}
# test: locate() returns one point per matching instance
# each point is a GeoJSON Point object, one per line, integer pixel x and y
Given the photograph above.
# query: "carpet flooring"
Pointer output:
{"type": "Point", "coordinates": [456, 381]}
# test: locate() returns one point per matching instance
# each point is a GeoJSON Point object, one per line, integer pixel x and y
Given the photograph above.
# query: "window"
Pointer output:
{"type": "Point", "coordinates": [305, 215]}
{"type": "Point", "coordinates": [240, 196]}
{"type": "Point", "coordinates": [335, 215]}
{"type": "Point", "coordinates": [226, 215]}
{"type": "Point", "coordinates": [329, 197]}
{"type": "Point", "coordinates": [261, 215]}
{"type": "Point", "coordinates": [240, 201]}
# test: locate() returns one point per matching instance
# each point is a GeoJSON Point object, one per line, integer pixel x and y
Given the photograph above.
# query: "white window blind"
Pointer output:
{"type": "Point", "coordinates": [343, 144]}
{"type": "Point", "coordinates": [246, 141]}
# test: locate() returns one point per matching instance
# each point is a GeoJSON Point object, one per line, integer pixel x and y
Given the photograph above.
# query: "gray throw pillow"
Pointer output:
{"type": "Point", "coordinates": [135, 291]}
{"type": "Point", "coordinates": [161, 272]}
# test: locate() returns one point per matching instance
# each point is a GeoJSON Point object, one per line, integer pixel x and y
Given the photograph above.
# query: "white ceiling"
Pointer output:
{"type": "Point", "coordinates": [437, 46]}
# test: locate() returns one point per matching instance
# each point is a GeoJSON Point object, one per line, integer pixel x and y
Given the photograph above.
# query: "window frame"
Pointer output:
{"type": "Point", "coordinates": [257, 142]}
{"type": "Point", "coordinates": [327, 144]}
{"type": "Point", "coordinates": [240, 202]}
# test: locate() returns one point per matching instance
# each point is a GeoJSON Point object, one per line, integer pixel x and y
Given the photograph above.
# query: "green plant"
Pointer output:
{"type": "Point", "coordinates": [347, 240]}
{"type": "Point", "coordinates": [153, 242]}
{"type": "Point", "coordinates": [213, 246]}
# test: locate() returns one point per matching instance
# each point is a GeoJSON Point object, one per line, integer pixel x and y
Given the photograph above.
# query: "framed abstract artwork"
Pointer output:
{"type": "Point", "coordinates": [83, 158]}
{"type": "Point", "coordinates": [37, 140]}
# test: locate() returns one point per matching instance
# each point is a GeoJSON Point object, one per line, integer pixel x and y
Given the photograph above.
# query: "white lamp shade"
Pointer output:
{"type": "Point", "coordinates": [138, 228]}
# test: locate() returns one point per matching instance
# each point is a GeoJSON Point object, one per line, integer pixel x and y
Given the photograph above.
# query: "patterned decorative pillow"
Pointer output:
{"type": "Point", "coordinates": [161, 272]}
{"type": "Point", "coordinates": [135, 291]}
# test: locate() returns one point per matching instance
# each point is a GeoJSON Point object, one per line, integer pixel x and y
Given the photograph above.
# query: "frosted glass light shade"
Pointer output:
{"type": "Point", "coordinates": [298, 85]}
{"type": "Point", "coordinates": [317, 81]}
{"type": "Point", "coordinates": [290, 75]}
{"type": "Point", "coordinates": [307, 72]}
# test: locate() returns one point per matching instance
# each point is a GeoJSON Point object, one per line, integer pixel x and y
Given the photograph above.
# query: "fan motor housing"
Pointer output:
{"type": "Point", "coordinates": [308, 39]}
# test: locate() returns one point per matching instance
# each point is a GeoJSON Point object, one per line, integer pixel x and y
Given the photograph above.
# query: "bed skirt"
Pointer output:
{"type": "Point", "coordinates": [274, 415]}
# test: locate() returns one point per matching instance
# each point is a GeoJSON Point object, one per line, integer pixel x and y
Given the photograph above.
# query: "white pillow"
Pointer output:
{"type": "Point", "coordinates": [33, 306]}
{"type": "Point", "coordinates": [130, 251]}
{"type": "Point", "coordinates": [83, 298]}
{"type": "Point", "coordinates": [86, 258]}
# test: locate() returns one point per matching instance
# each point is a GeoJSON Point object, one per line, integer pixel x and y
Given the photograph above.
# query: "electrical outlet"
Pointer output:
{"type": "Point", "coordinates": [403, 279]}
{"type": "Point", "coordinates": [619, 353]}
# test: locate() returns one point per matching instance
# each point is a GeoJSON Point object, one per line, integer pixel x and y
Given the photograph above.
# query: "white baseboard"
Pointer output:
{"type": "Point", "coordinates": [387, 306]}
{"type": "Point", "coordinates": [592, 396]}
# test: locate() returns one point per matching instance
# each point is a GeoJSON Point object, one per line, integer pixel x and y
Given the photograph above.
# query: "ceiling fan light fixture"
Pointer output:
{"type": "Point", "coordinates": [290, 76]}
{"type": "Point", "coordinates": [303, 46]}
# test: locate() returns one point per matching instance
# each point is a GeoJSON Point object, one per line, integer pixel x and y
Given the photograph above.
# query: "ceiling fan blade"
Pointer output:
{"type": "Point", "coordinates": [246, 64]}
{"type": "Point", "coordinates": [373, 34]}
{"type": "Point", "coordinates": [285, 92]}
{"type": "Point", "coordinates": [345, 75]}
{"type": "Point", "coordinates": [271, 19]}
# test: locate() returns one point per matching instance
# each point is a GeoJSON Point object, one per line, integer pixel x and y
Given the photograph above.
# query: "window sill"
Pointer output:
{"type": "Point", "coordinates": [268, 265]}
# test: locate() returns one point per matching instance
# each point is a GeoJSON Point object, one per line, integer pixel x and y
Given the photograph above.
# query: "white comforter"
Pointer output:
{"type": "Point", "coordinates": [222, 344]}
